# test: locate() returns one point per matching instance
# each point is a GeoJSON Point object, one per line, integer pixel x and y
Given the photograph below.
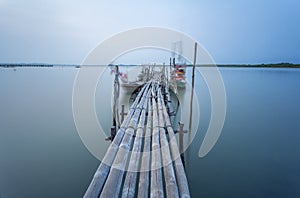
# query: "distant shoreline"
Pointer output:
{"type": "Point", "coordinates": [273, 65]}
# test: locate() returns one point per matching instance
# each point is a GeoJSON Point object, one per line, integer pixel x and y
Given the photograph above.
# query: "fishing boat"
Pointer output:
{"type": "Point", "coordinates": [178, 76]}
{"type": "Point", "coordinates": [173, 78]}
{"type": "Point", "coordinates": [132, 79]}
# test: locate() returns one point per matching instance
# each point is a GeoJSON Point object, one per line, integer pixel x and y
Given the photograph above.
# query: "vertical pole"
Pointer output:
{"type": "Point", "coordinates": [180, 131]}
{"type": "Point", "coordinates": [123, 113]}
{"type": "Point", "coordinates": [112, 133]}
{"type": "Point", "coordinates": [113, 129]}
{"type": "Point", "coordinates": [193, 84]}
{"type": "Point", "coordinates": [116, 121]}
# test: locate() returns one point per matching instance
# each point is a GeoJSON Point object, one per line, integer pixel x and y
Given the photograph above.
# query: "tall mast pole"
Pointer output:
{"type": "Point", "coordinates": [193, 84]}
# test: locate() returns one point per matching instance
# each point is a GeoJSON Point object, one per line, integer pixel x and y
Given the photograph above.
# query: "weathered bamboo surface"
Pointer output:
{"type": "Point", "coordinates": [143, 160]}
{"type": "Point", "coordinates": [103, 170]}
{"type": "Point", "coordinates": [156, 163]}
{"type": "Point", "coordinates": [129, 186]}
{"type": "Point", "coordinates": [169, 173]}
{"type": "Point", "coordinates": [145, 164]}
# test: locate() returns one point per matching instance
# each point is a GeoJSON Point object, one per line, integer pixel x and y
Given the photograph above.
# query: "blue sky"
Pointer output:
{"type": "Point", "coordinates": [233, 31]}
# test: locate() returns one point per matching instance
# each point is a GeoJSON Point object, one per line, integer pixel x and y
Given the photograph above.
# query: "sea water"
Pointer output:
{"type": "Point", "coordinates": [257, 154]}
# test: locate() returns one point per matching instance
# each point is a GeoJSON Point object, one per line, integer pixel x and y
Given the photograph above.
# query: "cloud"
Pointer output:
{"type": "Point", "coordinates": [230, 32]}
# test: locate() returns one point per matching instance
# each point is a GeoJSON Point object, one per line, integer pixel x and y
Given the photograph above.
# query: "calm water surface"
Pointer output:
{"type": "Point", "coordinates": [257, 155]}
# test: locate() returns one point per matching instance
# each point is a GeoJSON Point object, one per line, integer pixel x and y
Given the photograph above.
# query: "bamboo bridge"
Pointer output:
{"type": "Point", "coordinates": [143, 159]}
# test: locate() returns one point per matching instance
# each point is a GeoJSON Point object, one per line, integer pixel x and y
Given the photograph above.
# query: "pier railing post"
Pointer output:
{"type": "Point", "coordinates": [113, 131]}
{"type": "Point", "coordinates": [116, 121]}
{"type": "Point", "coordinates": [122, 113]}
{"type": "Point", "coordinates": [181, 132]}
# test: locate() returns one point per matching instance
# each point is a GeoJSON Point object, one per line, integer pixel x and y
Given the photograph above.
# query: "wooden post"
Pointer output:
{"type": "Point", "coordinates": [181, 133]}
{"type": "Point", "coordinates": [116, 121]}
{"type": "Point", "coordinates": [112, 134]}
{"type": "Point", "coordinates": [193, 84]}
{"type": "Point", "coordinates": [122, 113]}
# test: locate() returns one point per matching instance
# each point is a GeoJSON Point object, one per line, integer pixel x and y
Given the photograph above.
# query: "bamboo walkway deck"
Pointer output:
{"type": "Point", "coordinates": [143, 160]}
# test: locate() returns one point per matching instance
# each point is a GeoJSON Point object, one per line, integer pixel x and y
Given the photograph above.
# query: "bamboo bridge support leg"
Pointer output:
{"type": "Point", "coordinates": [123, 114]}
{"type": "Point", "coordinates": [181, 149]}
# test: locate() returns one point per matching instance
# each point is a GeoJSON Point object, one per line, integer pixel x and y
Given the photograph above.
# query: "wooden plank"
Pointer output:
{"type": "Point", "coordinates": [156, 170]}
{"type": "Point", "coordinates": [113, 183]}
{"type": "Point", "coordinates": [169, 174]}
{"type": "Point", "coordinates": [102, 172]}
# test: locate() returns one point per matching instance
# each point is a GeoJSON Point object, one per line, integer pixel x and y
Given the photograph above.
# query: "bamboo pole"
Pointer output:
{"type": "Point", "coordinates": [156, 171]}
{"type": "Point", "coordinates": [130, 183]}
{"type": "Point", "coordinates": [116, 120]}
{"type": "Point", "coordinates": [179, 169]}
{"type": "Point", "coordinates": [143, 188]}
{"type": "Point", "coordinates": [113, 183]}
{"type": "Point", "coordinates": [169, 181]}
{"type": "Point", "coordinates": [102, 172]}
{"type": "Point", "coordinates": [193, 84]}
{"type": "Point", "coordinates": [168, 100]}
{"type": "Point", "coordinates": [168, 169]}
{"type": "Point", "coordinates": [180, 137]}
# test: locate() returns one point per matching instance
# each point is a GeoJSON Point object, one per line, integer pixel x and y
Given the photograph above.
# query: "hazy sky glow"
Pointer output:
{"type": "Point", "coordinates": [233, 31]}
